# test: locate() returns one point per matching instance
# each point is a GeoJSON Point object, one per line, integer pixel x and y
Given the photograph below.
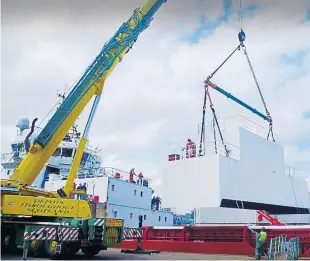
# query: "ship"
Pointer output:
{"type": "Point", "coordinates": [124, 195]}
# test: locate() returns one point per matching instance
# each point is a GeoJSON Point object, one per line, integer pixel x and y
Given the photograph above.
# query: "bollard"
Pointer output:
{"type": "Point", "coordinates": [139, 249]}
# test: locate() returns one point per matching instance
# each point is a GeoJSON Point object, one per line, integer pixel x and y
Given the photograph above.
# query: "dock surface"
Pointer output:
{"type": "Point", "coordinates": [115, 254]}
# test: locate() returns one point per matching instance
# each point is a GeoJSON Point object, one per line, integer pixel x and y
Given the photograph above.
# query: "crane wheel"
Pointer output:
{"type": "Point", "coordinates": [90, 251]}
{"type": "Point", "coordinates": [69, 249]}
{"type": "Point", "coordinates": [50, 247]}
{"type": "Point", "coordinates": [36, 248]}
{"type": "Point", "coordinates": [8, 244]}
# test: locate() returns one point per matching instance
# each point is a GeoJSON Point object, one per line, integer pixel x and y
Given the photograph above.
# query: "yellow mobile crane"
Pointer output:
{"type": "Point", "coordinates": [53, 220]}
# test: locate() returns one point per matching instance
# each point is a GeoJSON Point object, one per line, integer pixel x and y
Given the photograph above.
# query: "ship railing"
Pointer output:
{"type": "Point", "coordinates": [229, 123]}
{"type": "Point", "coordinates": [89, 148]}
{"type": "Point", "coordinates": [95, 151]}
{"type": "Point", "coordinates": [124, 175]}
{"type": "Point", "coordinates": [208, 148]}
{"type": "Point", "coordinates": [294, 172]}
{"type": "Point", "coordinates": [9, 157]}
{"type": "Point", "coordinates": [229, 127]}
{"type": "Point", "coordinates": [92, 172]}
{"type": "Point", "coordinates": [6, 157]}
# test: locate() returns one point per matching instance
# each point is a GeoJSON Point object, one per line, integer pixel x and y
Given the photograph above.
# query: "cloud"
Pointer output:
{"type": "Point", "coordinates": [153, 100]}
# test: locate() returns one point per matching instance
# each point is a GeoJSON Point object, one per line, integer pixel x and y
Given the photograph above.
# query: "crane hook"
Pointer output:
{"type": "Point", "coordinates": [241, 37]}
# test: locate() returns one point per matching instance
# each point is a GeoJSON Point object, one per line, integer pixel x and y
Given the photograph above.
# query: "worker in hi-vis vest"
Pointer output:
{"type": "Point", "coordinates": [260, 243]}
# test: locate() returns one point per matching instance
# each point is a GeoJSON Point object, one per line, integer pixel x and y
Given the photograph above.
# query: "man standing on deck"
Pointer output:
{"type": "Point", "coordinates": [260, 243]}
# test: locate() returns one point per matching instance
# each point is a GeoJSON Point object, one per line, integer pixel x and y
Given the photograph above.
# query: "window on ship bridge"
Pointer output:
{"type": "Point", "coordinates": [144, 217]}
{"type": "Point", "coordinates": [159, 218]}
{"type": "Point", "coordinates": [131, 215]}
{"type": "Point", "coordinates": [113, 186]}
{"type": "Point", "coordinates": [66, 152]}
{"type": "Point", "coordinates": [85, 156]}
{"type": "Point", "coordinates": [57, 152]}
{"type": "Point", "coordinates": [115, 214]}
{"type": "Point", "coordinates": [141, 193]}
{"type": "Point", "coordinates": [14, 147]}
{"type": "Point", "coordinates": [20, 147]}
{"type": "Point", "coordinates": [135, 192]}
{"type": "Point", "coordinates": [165, 219]}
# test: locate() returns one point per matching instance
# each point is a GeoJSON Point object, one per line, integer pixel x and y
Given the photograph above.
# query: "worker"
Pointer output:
{"type": "Point", "coordinates": [79, 188]}
{"type": "Point", "coordinates": [131, 173]}
{"type": "Point", "coordinates": [140, 181]}
{"type": "Point", "coordinates": [192, 150]}
{"type": "Point", "coordinates": [84, 187]}
{"type": "Point", "coordinates": [188, 147]}
{"type": "Point", "coordinates": [260, 243]}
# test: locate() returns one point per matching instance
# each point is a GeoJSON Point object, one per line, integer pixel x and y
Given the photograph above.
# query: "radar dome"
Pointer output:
{"type": "Point", "coordinates": [23, 124]}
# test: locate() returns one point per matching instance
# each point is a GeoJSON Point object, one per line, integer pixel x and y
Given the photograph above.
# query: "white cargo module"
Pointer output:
{"type": "Point", "coordinates": [252, 178]}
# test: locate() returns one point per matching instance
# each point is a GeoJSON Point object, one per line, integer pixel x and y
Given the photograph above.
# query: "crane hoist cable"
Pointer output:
{"type": "Point", "coordinates": [258, 87]}
{"type": "Point", "coordinates": [202, 134]}
{"type": "Point", "coordinates": [227, 152]}
{"type": "Point", "coordinates": [241, 36]}
{"type": "Point", "coordinates": [215, 122]}
{"type": "Point", "coordinates": [207, 82]}
{"type": "Point", "coordinates": [214, 135]}
{"type": "Point", "coordinates": [215, 71]}
{"type": "Point", "coordinates": [204, 104]}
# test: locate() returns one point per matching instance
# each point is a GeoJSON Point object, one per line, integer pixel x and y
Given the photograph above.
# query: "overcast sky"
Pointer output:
{"type": "Point", "coordinates": [153, 99]}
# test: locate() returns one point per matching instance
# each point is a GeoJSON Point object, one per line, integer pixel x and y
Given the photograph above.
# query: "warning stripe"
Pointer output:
{"type": "Point", "coordinates": [99, 222]}
{"type": "Point", "coordinates": [41, 234]}
{"type": "Point", "coordinates": [132, 233]}
{"type": "Point", "coordinates": [68, 234]}
{"type": "Point", "coordinates": [37, 234]}
{"type": "Point", "coordinates": [50, 233]}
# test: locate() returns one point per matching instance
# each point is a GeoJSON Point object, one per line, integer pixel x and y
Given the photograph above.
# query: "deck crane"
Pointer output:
{"type": "Point", "coordinates": [22, 204]}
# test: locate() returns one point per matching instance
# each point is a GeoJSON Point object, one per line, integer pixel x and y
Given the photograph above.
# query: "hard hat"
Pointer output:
{"type": "Point", "coordinates": [263, 229]}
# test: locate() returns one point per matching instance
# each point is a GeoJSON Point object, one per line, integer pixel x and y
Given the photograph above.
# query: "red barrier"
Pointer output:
{"type": "Point", "coordinates": [230, 240]}
{"type": "Point", "coordinates": [224, 248]}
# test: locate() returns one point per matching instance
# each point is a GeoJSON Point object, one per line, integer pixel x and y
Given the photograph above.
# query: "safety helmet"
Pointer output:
{"type": "Point", "coordinates": [263, 229]}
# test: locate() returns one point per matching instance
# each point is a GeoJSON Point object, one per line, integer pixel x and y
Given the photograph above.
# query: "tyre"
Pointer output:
{"type": "Point", "coordinates": [36, 248]}
{"type": "Point", "coordinates": [50, 247]}
{"type": "Point", "coordinates": [69, 249]}
{"type": "Point", "coordinates": [90, 251]}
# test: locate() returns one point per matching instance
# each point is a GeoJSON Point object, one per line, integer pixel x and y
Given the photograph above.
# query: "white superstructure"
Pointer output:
{"type": "Point", "coordinates": [253, 176]}
{"type": "Point", "coordinates": [123, 199]}
{"type": "Point", "coordinates": [60, 161]}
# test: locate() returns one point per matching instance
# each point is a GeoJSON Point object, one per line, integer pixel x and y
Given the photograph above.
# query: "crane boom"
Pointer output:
{"type": "Point", "coordinates": [90, 84]}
